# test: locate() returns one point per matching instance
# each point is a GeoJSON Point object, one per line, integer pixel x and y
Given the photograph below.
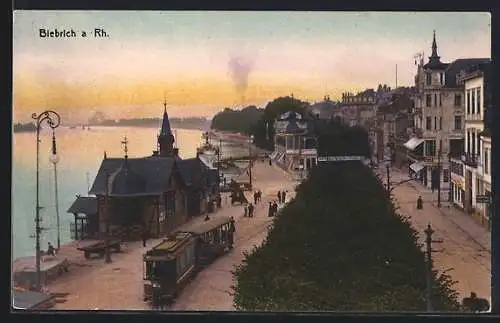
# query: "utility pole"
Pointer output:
{"type": "Point", "coordinates": [450, 191]}
{"type": "Point", "coordinates": [428, 242]}
{"type": "Point", "coordinates": [107, 254]}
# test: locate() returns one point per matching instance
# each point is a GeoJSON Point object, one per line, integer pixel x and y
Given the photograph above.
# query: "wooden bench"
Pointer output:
{"type": "Point", "coordinates": [100, 248]}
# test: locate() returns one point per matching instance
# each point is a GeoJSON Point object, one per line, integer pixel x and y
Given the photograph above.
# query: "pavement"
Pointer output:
{"type": "Point", "coordinates": [92, 284]}
{"type": "Point", "coordinates": [465, 251]}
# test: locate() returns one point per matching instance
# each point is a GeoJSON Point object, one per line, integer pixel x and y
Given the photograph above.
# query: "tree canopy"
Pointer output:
{"type": "Point", "coordinates": [339, 245]}
{"type": "Point", "coordinates": [263, 129]}
{"type": "Point", "coordinates": [240, 121]}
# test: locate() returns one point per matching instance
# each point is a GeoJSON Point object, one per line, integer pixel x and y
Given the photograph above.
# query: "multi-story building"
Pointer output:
{"type": "Point", "coordinates": [438, 118]}
{"type": "Point", "coordinates": [476, 158]}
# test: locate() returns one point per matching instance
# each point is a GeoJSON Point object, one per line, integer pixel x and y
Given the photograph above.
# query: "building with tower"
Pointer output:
{"type": "Point", "coordinates": [438, 118]}
{"type": "Point", "coordinates": [149, 196]}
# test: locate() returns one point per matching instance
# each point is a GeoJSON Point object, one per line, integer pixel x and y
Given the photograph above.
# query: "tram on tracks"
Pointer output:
{"type": "Point", "coordinates": [171, 264]}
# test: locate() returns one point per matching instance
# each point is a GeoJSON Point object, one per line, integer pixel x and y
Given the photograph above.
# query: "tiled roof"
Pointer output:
{"type": "Point", "coordinates": [84, 205]}
{"type": "Point", "coordinates": [154, 170]}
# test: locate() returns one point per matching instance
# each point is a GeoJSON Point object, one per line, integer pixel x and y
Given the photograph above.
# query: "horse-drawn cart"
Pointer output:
{"type": "Point", "coordinates": [99, 248]}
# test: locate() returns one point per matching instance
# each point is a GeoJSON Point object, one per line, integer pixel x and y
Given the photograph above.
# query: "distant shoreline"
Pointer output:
{"type": "Point", "coordinates": [173, 125]}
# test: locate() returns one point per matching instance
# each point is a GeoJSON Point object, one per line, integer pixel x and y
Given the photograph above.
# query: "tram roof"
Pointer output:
{"type": "Point", "coordinates": [202, 226]}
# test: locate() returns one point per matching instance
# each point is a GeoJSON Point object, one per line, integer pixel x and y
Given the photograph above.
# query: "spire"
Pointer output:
{"type": "Point", "coordinates": [434, 58]}
{"type": "Point", "coordinates": [165, 125]}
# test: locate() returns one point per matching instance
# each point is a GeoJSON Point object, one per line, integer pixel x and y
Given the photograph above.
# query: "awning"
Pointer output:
{"type": "Point", "coordinates": [417, 167]}
{"type": "Point", "coordinates": [413, 143]}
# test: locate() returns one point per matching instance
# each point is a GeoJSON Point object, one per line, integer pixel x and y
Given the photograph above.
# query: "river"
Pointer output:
{"type": "Point", "coordinates": [81, 152]}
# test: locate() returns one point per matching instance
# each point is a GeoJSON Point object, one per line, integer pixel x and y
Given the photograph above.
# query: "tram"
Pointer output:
{"type": "Point", "coordinates": [171, 264]}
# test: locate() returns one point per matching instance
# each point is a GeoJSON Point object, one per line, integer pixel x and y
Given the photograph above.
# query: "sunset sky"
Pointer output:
{"type": "Point", "coordinates": [205, 61]}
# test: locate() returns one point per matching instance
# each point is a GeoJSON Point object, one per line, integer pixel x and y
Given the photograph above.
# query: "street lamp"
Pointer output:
{"type": "Point", "coordinates": [53, 120]}
{"type": "Point", "coordinates": [250, 142]}
{"type": "Point", "coordinates": [54, 159]}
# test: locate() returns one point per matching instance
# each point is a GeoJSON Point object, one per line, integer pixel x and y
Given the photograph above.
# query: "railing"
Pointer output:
{"type": "Point", "coordinates": [457, 167]}
{"type": "Point", "coordinates": [470, 160]}
{"type": "Point", "coordinates": [473, 117]}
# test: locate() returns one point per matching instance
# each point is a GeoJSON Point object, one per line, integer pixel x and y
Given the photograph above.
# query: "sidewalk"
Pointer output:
{"type": "Point", "coordinates": [465, 250]}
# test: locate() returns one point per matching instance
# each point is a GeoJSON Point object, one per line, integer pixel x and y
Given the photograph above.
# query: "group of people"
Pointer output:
{"type": "Point", "coordinates": [249, 210]}
{"type": "Point", "coordinates": [273, 209]}
{"type": "Point", "coordinates": [282, 197]}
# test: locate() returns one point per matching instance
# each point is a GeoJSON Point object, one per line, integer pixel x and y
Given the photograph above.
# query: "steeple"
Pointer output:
{"type": "Point", "coordinates": [166, 138]}
{"type": "Point", "coordinates": [434, 58]}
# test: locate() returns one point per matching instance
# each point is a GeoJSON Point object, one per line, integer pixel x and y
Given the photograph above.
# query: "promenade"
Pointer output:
{"type": "Point", "coordinates": [466, 248]}
{"type": "Point", "coordinates": [94, 285]}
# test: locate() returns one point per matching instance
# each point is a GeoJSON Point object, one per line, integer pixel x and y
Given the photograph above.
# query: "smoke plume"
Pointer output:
{"type": "Point", "coordinates": [239, 69]}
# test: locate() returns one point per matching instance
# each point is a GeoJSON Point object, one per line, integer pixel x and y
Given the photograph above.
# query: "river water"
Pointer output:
{"type": "Point", "coordinates": [81, 152]}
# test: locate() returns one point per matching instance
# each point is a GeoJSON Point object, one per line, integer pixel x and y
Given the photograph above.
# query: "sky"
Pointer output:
{"type": "Point", "coordinates": [202, 62]}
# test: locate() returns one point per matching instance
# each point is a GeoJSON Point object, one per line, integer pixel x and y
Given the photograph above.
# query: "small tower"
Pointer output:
{"type": "Point", "coordinates": [166, 138]}
{"type": "Point", "coordinates": [434, 58]}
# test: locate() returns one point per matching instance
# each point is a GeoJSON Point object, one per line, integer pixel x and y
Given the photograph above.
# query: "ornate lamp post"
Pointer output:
{"type": "Point", "coordinates": [54, 159]}
{"type": "Point", "coordinates": [53, 120]}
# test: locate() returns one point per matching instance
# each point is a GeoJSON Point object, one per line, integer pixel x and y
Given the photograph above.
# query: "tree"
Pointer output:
{"type": "Point", "coordinates": [339, 245]}
{"type": "Point", "coordinates": [241, 121]}
{"type": "Point", "coordinates": [263, 130]}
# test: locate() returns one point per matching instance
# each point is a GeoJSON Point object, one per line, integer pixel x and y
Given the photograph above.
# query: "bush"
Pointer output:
{"type": "Point", "coordinates": [339, 245]}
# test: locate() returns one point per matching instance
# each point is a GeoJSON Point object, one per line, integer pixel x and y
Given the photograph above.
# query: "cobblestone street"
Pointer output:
{"type": "Point", "coordinates": [466, 247]}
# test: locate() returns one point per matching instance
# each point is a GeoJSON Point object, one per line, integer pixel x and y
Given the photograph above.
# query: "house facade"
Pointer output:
{"type": "Point", "coordinates": [438, 133]}
{"type": "Point", "coordinates": [476, 158]}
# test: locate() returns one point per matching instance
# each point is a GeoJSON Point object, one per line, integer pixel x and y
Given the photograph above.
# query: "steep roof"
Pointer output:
{"type": "Point", "coordinates": [84, 205]}
{"type": "Point", "coordinates": [460, 65]}
{"type": "Point", "coordinates": [165, 125]}
{"type": "Point", "coordinates": [154, 170]}
{"type": "Point", "coordinates": [125, 181]}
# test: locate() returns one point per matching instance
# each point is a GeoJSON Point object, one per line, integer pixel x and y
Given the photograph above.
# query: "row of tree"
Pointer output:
{"type": "Point", "coordinates": [340, 245]}
{"type": "Point", "coordinates": [240, 121]}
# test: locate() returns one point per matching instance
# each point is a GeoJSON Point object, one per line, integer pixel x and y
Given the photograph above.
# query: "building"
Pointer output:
{"type": "Point", "coordinates": [475, 161]}
{"type": "Point", "coordinates": [149, 195]}
{"type": "Point", "coordinates": [438, 118]}
{"type": "Point", "coordinates": [324, 109]}
{"type": "Point", "coordinates": [295, 143]}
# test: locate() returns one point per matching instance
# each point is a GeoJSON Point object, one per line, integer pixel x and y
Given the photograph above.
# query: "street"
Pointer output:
{"type": "Point", "coordinates": [466, 247]}
{"type": "Point", "coordinates": [92, 284]}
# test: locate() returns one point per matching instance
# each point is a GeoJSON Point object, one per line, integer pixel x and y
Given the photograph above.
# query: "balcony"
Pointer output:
{"type": "Point", "coordinates": [473, 117]}
{"type": "Point", "coordinates": [470, 160]}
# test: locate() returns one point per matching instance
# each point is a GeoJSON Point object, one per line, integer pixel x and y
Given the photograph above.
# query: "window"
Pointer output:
{"type": "Point", "coordinates": [435, 123]}
{"type": "Point", "coordinates": [478, 138]}
{"type": "Point", "coordinates": [430, 148]}
{"type": "Point", "coordinates": [428, 78]}
{"type": "Point", "coordinates": [478, 98]}
{"type": "Point", "coordinates": [435, 100]}
{"type": "Point", "coordinates": [428, 100]}
{"type": "Point", "coordinates": [473, 102]}
{"type": "Point", "coordinates": [486, 165]}
{"type": "Point", "coordinates": [458, 123]}
{"type": "Point", "coordinates": [440, 123]}
{"type": "Point", "coordinates": [440, 99]}
{"type": "Point", "coordinates": [428, 123]}
{"type": "Point", "coordinates": [468, 102]}
{"type": "Point", "coordinates": [441, 78]}
{"type": "Point", "coordinates": [473, 143]}
{"type": "Point", "coordinates": [458, 100]}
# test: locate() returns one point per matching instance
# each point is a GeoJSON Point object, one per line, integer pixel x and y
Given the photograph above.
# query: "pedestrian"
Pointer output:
{"type": "Point", "coordinates": [275, 208]}
{"type": "Point", "coordinates": [144, 238]}
{"type": "Point", "coordinates": [250, 210]}
{"type": "Point", "coordinates": [260, 195]}
{"type": "Point", "coordinates": [219, 201]}
{"type": "Point", "coordinates": [270, 210]}
{"type": "Point", "coordinates": [283, 196]}
{"type": "Point", "coordinates": [255, 197]}
{"type": "Point", "coordinates": [232, 229]}
{"type": "Point", "coordinates": [420, 203]}
{"type": "Point", "coordinates": [51, 251]}
{"type": "Point", "coordinates": [270, 162]}
{"type": "Point", "coordinates": [279, 197]}
{"type": "Point", "coordinates": [245, 208]}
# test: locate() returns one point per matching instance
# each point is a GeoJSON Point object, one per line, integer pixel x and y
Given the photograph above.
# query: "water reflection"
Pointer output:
{"type": "Point", "coordinates": [81, 152]}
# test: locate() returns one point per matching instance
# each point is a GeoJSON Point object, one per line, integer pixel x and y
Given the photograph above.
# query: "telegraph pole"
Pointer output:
{"type": "Point", "coordinates": [107, 254]}
{"type": "Point", "coordinates": [428, 242]}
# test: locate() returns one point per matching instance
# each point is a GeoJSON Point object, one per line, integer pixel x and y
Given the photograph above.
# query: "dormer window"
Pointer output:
{"type": "Point", "coordinates": [441, 78]}
{"type": "Point", "coordinates": [428, 78]}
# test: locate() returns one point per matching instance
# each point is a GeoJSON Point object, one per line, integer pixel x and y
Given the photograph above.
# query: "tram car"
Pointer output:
{"type": "Point", "coordinates": [171, 264]}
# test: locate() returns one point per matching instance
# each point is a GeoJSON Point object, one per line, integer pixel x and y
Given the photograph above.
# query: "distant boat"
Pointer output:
{"type": "Point", "coordinates": [72, 127]}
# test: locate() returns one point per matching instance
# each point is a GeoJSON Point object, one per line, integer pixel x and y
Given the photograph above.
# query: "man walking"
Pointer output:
{"type": "Point", "coordinates": [270, 210]}
{"type": "Point", "coordinates": [275, 208]}
{"type": "Point", "coordinates": [279, 197]}
{"type": "Point", "coordinates": [232, 229]}
{"type": "Point", "coordinates": [250, 210]}
{"type": "Point", "coordinates": [283, 197]}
